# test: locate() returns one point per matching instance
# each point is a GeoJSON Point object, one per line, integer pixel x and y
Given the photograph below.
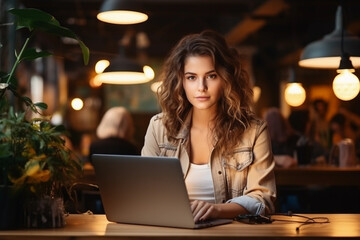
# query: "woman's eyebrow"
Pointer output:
{"type": "Point", "coordinates": [211, 71]}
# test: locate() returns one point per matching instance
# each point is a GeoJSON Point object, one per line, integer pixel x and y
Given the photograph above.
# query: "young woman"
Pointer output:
{"type": "Point", "coordinates": [206, 122]}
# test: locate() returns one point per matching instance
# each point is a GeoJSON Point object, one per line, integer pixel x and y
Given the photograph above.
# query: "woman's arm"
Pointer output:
{"type": "Point", "coordinates": [260, 192]}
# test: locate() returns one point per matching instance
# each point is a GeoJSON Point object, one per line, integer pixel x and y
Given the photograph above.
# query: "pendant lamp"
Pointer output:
{"type": "Point", "coordinates": [346, 85]}
{"type": "Point", "coordinates": [122, 12]}
{"type": "Point", "coordinates": [125, 71]}
{"type": "Point", "coordinates": [326, 53]}
{"type": "Point", "coordinates": [295, 94]}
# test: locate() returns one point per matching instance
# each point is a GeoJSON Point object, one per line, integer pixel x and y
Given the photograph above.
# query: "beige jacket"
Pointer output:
{"type": "Point", "coordinates": [247, 178]}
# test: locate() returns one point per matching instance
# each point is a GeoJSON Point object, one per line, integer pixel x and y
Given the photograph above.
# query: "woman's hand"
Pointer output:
{"type": "Point", "coordinates": [203, 210]}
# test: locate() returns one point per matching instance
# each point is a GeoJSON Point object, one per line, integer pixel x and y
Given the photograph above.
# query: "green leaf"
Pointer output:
{"type": "Point", "coordinates": [29, 17]}
{"type": "Point", "coordinates": [45, 126]}
{"type": "Point", "coordinates": [85, 51]}
{"type": "Point", "coordinates": [27, 100]}
{"type": "Point", "coordinates": [31, 54]}
{"type": "Point", "coordinates": [35, 19]}
{"type": "Point", "coordinates": [64, 32]}
{"type": "Point", "coordinates": [41, 105]}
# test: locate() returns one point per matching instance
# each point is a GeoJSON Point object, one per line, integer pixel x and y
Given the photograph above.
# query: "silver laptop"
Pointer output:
{"type": "Point", "coordinates": [145, 190]}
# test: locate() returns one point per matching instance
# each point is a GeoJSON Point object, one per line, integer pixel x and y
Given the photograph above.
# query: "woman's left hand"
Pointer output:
{"type": "Point", "coordinates": [203, 210]}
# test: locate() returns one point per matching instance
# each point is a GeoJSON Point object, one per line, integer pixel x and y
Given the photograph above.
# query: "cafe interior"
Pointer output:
{"type": "Point", "coordinates": [291, 49]}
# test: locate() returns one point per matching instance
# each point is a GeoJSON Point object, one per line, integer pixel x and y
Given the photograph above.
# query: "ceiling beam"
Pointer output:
{"type": "Point", "coordinates": [251, 24]}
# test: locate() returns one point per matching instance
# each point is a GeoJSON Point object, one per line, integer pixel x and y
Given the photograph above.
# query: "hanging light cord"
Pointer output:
{"type": "Point", "coordinates": [342, 28]}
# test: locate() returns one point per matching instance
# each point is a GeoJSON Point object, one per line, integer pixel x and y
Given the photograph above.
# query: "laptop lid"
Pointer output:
{"type": "Point", "coordinates": [144, 190]}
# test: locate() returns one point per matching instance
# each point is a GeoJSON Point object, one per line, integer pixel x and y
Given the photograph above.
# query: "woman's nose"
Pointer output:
{"type": "Point", "coordinates": [202, 84]}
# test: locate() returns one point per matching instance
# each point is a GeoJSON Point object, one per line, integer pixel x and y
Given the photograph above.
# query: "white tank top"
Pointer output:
{"type": "Point", "coordinates": [199, 183]}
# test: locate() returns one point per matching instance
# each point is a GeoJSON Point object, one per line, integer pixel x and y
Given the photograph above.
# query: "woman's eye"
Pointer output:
{"type": "Point", "coordinates": [190, 77]}
{"type": "Point", "coordinates": [212, 76]}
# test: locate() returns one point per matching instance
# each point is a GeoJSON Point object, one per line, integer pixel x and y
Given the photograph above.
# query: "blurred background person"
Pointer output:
{"type": "Point", "coordinates": [318, 128]}
{"type": "Point", "coordinates": [299, 121]}
{"type": "Point", "coordinates": [115, 134]}
{"type": "Point", "coordinates": [345, 125]}
{"type": "Point", "coordinates": [283, 138]}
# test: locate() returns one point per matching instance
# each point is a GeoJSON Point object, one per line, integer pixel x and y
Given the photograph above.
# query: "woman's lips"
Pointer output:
{"type": "Point", "coordinates": [202, 98]}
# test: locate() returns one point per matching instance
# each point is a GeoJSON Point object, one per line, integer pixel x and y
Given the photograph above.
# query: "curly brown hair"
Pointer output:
{"type": "Point", "coordinates": [234, 107]}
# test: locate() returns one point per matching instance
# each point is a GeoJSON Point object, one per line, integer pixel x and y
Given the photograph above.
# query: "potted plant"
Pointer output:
{"type": "Point", "coordinates": [35, 164]}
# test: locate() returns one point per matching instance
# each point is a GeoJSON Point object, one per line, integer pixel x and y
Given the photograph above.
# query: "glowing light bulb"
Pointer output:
{"type": "Point", "coordinates": [295, 94]}
{"type": "Point", "coordinates": [346, 85]}
{"type": "Point", "coordinates": [77, 104]}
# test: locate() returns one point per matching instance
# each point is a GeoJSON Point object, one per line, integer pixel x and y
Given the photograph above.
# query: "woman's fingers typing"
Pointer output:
{"type": "Point", "coordinates": [203, 210]}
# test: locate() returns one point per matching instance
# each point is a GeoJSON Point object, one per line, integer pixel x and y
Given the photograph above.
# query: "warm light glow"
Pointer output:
{"type": "Point", "coordinates": [126, 77]}
{"type": "Point", "coordinates": [155, 86]}
{"type": "Point", "coordinates": [257, 93]}
{"type": "Point", "coordinates": [346, 85]}
{"type": "Point", "coordinates": [37, 88]}
{"type": "Point", "coordinates": [149, 72]}
{"type": "Point", "coordinates": [122, 78]}
{"type": "Point", "coordinates": [327, 62]}
{"type": "Point", "coordinates": [294, 94]}
{"type": "Point", "coordinates": [77, 104]}
{"type": "Point", "coordinates": [101, 65]}
{"type": "Point", "coordinates": [122, 17]}
{"type": "Point", "coordinates": [57, 119]}
{"type": "Point", "coordinates": [94, 83]}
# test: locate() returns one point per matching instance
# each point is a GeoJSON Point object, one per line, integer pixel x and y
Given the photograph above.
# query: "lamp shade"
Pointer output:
{"type": "Point", "coordinates": [125, 71]}
{"type": "Point", "coordinates": [326, 53]}
{"type": "Point", "coordinates": [122, 12]}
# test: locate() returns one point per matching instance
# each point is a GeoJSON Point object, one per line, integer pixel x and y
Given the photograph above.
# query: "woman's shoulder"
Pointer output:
{"type": "Point", "coordinates": [255, 128]}
{"type": "Point", "coordinates": [257, 123]}
{"type": "Point", "coordinates": [157, 116]}
{"type": "Point", "coordinates": [157, 119]}
{"type": "Point", "coordinates": [156, 123]}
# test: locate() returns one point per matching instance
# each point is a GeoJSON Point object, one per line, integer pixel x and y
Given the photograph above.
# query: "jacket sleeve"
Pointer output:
{"type": "Point", "coordinates": [260, 193]}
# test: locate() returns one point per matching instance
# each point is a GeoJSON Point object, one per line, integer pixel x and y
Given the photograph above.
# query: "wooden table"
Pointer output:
{"type": "Point", "coordinates": [81, 226]}
{"type": "Point", "coordinates": [318, 175]}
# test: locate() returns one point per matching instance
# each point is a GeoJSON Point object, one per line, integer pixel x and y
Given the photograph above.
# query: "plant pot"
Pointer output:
{"type": "Point", "coordinates": [11, 208]}
{"type": "Point", "coordinates": [45, 212]}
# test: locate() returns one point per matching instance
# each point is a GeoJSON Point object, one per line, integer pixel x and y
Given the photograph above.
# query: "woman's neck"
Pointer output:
{"type": "Point", "coordinates": [203, 118]}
